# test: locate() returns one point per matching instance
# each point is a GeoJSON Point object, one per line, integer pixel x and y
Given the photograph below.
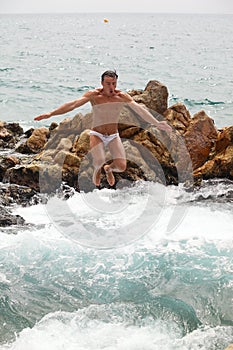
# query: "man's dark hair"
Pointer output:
{"type": "Point", "coordinates": [109, 73]}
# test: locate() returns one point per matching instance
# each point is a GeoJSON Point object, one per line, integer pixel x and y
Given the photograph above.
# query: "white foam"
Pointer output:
{"type": "Point", "coordinates": [168, 216]}
{"type": "Point", "coordinates": [74, 331]}
{"type": "Point", "coordinates": [200, 222]}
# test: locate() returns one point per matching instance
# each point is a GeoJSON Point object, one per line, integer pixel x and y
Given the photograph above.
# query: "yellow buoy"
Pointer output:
{"type": "Point", "coordinates": [105, 20]}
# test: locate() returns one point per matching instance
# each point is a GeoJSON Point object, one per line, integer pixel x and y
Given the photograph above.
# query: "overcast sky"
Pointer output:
{"type": "Point", "coordinates": [104, 6]}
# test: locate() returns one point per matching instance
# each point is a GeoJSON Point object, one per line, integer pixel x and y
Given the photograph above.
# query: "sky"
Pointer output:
{"type": "Point", "coordinates": [105, 6]}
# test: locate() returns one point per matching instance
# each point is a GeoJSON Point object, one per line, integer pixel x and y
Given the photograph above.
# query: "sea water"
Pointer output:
{"type": "Point", "coordinates": [49, 59]}
{"type": "Point", "coordinates": [170, 290]}
{"type": "Point", "coordinates": [143, 267]}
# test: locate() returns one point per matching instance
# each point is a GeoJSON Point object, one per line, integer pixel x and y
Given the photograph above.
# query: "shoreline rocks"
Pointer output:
{"type": "Point", "coordinates": [44, 159]}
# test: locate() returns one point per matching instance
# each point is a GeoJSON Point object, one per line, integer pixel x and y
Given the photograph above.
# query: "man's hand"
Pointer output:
{"type": "Point", "coordinates": [42, 116]}
{"type": "Point", "coordinates": [164, 126]}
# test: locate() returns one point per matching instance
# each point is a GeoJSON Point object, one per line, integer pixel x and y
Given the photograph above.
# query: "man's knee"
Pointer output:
{"type": "Point", "coordinates": [120, 164]}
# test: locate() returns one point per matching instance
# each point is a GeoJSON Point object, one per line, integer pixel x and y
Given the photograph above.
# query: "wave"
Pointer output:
{"type": "Point", "coordinates": [93, 328]}
{"type": "Point", "coordinates": [7, 69]}
{"type": "Point", "coordinates": [214, 191]}
{"type": "Point", "coordinates": [176, 286]}
{"type": "Point", "coordinates": [190, 102]}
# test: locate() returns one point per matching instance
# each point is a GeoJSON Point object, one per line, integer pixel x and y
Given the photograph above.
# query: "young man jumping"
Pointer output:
{"type": "Point", "coordinates": [107, 103]}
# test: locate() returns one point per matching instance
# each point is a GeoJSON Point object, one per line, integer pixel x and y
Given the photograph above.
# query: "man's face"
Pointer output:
{"type": "Point", "coordinates": [109, 85]}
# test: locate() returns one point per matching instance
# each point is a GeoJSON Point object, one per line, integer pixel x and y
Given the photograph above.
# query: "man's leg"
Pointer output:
{"type": "Point", "coordinates": [98, 157]}
{"type": "Point", "coordinates": [118, 165]}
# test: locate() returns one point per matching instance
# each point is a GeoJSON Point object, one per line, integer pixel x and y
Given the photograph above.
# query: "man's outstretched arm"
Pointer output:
{"type": "Point", "coordinates": [148, 117]}
{"type": "Point", "coordinates": [68, 106]}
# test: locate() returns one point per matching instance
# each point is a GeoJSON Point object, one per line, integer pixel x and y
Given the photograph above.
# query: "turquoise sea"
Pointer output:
{"type": "Point", "coordinates": [139, 269]}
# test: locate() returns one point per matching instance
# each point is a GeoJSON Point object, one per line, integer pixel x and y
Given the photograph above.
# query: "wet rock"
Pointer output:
{"type": "Point", "coordinates": [28, 132]}
{"type": "Point", "coordinates": [25, 175]}
{"type": "Point", "coordinates": [7, 162]}
{"type": "Point", "coordinates": [15, 129]}
{"type": "Point", "coordinates": [4, 133]}
{"type": "Point", "coordinates": [8, 219]}
{"type": "Point", "coordinates": [22, 195]}
{"type": "Point", "coordinates": [9, 134]}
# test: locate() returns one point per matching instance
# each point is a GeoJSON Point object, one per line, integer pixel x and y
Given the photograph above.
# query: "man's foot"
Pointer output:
{"type": "Point", "coordinates": [109, 175]}
{"type": "Point", "coordinates": [96, 177]}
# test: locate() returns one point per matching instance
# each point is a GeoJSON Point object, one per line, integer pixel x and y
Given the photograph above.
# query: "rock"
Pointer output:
{"type": "Point", "coordinates": [82, 143]}
{"type": "Point", "coordinates": [129, 132]}
{"type": "Point", "coordinates": [25, 175]}
{"type": "Point", "coordinates": [15, 129]}
{"type": "Point", "coordinates": [65, 130]}
{"type": "Point", "coordinates": [80, 123]}
{"type": "Point", "coordinates": [38, 139]}
{"type": "Point", "coordinates": [4, 133]}
{"type": "Point", "coordinates": [22, 195]}
{"type": "Point", "coordinates": [6, 163]}
{"type": "Point", "coordinates": [200, 138]}
{"type": "Point", "coordinates": [53, 126]}
{"type": "Point", "coordinates": [136, 161]}
{"type": "Point", "coordinates": [224, 139]}
{"type": "Point", "coordinates": [220, 164]}
{"type": "Point", "coordinates": [65, 144]}
{"type": "Point", "coordinates": [59, 158]}
{"type": "Point", "coordinates": [129, 118]}
{"type": "Point", "coordinates": [195, 139]}
{"type": "Point", "coordinates": [50, 178]}
{"type": "Point", "coordinates": [71, 161]}
{"type": "Point", "coordinates": [28, 132]}
{"type": "Point", "coordinates": [178, 116]}
{"type": "Point", "coordinates": [34, 141]}
{"type": "Point", "coordinates": [22, 147]}
{"type": "Point", "coordinates": [8, 219]}
{"type": "Point", "coordinates": [154, 97]}
{"type": "Point", "coordinates": [9, 134]}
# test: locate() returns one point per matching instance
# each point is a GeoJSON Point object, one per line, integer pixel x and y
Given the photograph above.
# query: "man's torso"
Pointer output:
{"type": "Point", "coordinates": [106, 112]}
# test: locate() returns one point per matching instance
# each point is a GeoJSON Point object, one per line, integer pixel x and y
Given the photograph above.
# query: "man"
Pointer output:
{"type": "Point", "coordinates": [107, 103]}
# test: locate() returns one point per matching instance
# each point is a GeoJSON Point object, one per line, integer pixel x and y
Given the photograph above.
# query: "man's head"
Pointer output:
{"type": "Point", "coordinates": [109, 82]}
{"type": "Point", "coordinates": [109, 73]}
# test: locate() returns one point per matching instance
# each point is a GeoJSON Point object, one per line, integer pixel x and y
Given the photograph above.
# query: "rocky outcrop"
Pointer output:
{"type": "Point", "coordinates": [46, 158]}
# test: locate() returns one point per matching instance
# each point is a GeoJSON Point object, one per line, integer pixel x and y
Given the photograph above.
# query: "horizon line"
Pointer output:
{"type": "Point", "coordinates": [115, 12]}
